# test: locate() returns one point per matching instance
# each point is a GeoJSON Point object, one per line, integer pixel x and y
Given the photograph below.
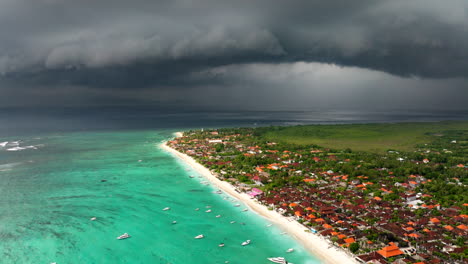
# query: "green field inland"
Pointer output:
{"type": "Point", "coordinates": [366, 137]}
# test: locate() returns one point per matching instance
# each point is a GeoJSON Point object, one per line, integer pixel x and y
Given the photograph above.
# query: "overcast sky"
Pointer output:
{"type": "Point", "coordinates": [252, 54]}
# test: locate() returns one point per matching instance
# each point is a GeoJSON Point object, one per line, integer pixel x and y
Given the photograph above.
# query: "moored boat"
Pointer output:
{"type": "Point", "coordinates": [199, 236]}
{"type": "Point", "coordinates": [279, 260]}
{"type": "Point", "coordinates": [123, 236]}
{"type": "Point", "coordinates": [245, 243]}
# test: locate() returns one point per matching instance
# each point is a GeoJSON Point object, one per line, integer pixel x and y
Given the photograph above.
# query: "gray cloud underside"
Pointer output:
{"type": "Point", "coordinates": [100, 38]}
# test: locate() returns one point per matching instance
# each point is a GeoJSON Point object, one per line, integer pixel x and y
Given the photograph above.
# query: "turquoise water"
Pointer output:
{"type": "Point", "coordinates": [49, 192]}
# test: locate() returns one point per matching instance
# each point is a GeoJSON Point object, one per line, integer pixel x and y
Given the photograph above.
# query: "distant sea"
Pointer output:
{"type": "Point", "coordinates": [60, 169]}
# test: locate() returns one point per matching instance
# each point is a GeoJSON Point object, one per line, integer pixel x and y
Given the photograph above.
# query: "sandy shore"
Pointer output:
{"type": "Point", "coordinates": [316, 244]}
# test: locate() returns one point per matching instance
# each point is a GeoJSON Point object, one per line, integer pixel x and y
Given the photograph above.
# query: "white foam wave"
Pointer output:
{"type": "Point", "coordinates": [3, 144]}
{"type": "Point", "coordinates": [21, 148]}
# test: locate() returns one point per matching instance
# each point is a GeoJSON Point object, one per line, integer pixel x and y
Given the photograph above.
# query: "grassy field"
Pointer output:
{"type": "Point", "coordinates": [364, 137]}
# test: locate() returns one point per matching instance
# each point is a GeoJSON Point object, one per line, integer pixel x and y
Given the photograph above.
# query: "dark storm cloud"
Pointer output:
{"type": "Point", "coordinates": [419, 37]}
{"type": "Point", "coordinates": [108, 50]}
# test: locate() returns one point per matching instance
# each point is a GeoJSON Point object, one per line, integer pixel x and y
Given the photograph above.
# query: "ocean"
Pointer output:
{"type": "Point", "coordinates": [53, 184]}
{"type": "Point", "coordinates": [60, 169]}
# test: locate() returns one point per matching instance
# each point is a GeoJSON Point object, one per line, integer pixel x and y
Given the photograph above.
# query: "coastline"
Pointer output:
{"type": "Point", "coordinates": [315, 244]}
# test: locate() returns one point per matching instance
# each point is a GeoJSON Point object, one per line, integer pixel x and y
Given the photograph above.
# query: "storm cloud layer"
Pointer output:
{"type": "Point", "coordinates": [116, 51]}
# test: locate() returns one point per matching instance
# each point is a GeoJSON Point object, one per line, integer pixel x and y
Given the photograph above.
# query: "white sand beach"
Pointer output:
{"type": "Point", "coordinates": [316, 244]}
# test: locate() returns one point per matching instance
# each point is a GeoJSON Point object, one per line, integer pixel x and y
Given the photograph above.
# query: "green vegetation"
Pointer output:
{"type": "Point", "coordinates": [363, 137]}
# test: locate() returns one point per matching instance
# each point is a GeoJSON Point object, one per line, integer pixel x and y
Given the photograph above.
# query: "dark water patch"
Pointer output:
{"type": "Point", "coordinates": [196, 190]}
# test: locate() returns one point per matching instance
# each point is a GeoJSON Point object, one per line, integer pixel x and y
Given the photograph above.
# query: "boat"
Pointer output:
{"type": "Point", "coordinates": [236, 205]}
{"type": "Point", "coordinates": [218, 216]}
{"type": "Point", "coordinates": [196, 209]}
{"type": "Point", "coordinates": [221, 245]}
{"type": "Point", "coordinates": [191, 176]}
{"type": "Point", "coordinates": [123, 236]}
{"type": "Point", "coordinates": [167, 209]}
{"type": "Point", "coordinates": [174, 222]}
{"type": "Point", "coordinates": [232, 222]}
{"type": "Point", "coordinates": [269, 225]}
{"type": "Point", "coordinates": [290, 250]}
{"type": "Point", "coordinates": [219, 192]}
{"type": "Point", "coordinates": [208, 211]}
{"type": "Point", "coordinates": [93, 218]}
{"type": "Point", "coordinates": [199, 236]}
{"type": "Point", "coordinates": [245, 210]}
{"type": "Point", "coordinates": [245, 243]}
{"type": "Point", "coordinates": [279, 260]}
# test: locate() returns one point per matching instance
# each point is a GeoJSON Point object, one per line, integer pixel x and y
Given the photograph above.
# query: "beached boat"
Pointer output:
{"type": "Point", "coordinates": [290, 250]}
{"type": "Point", "coordinates": [167, 209]}
{"type": "Point", "coordinates": [279, 260]}
{"type": "Point", "coordinates": [123, 236]}
{"type": "Point", "coordinates": [245, 243]}
{"type": "Point", "coordinates": [199, 236]}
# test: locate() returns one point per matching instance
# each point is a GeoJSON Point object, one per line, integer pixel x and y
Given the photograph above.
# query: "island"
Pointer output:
{"type": "Point", "coordinates": [362, 193]}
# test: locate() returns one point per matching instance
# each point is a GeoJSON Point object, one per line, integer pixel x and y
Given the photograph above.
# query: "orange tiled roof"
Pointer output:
{"type": "Point", "coordinates": [390, 251]}
{"type": "Point", "coordinates": [462, 227]}
{"type": "Point", "coordinates": [349, 240]}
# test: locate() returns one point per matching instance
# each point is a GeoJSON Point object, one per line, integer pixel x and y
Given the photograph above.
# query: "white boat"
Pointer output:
{"type": "Point", "coordinates": [269, 225]}
{"type": "Point", "coordinates": [93, 219]}
{"type": "Point", "coordinates": [221, 245]}
{"type": "Point", "coordinates": [245, 243]}
{"type": "Point", "coordinates": [219, 192]}
{"type": "Point", "coordinates": [245, 210]}
{"type": "Point", "coordinates": [279, 260]}
{"type": "Point", "coordinates": [167, 209]}
{"type": "Point", "coordinates": [208, 211]}
{"type": "Point", "coordinates": [199, 236]}
{"type": "Point", "coordinates": [232, 222]}
{"type": "Point", "coordinates": [290, 250]}
{"type": "Point", "coordinates": [218, 216]}
{"type": "Point", "coordinates": [196, 209]}
{"type": "Point", "coordinates": [123, 236]}
{"type": "Point", "coordinates": [191, 176]}
{"type": "Point", "coordinates": [236, 205]}
{"type": "Point", "coordinates": [174, 222]}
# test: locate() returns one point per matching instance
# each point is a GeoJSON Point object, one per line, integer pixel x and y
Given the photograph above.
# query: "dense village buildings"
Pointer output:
{"type": "Point", "coordinates": [361, 202]}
